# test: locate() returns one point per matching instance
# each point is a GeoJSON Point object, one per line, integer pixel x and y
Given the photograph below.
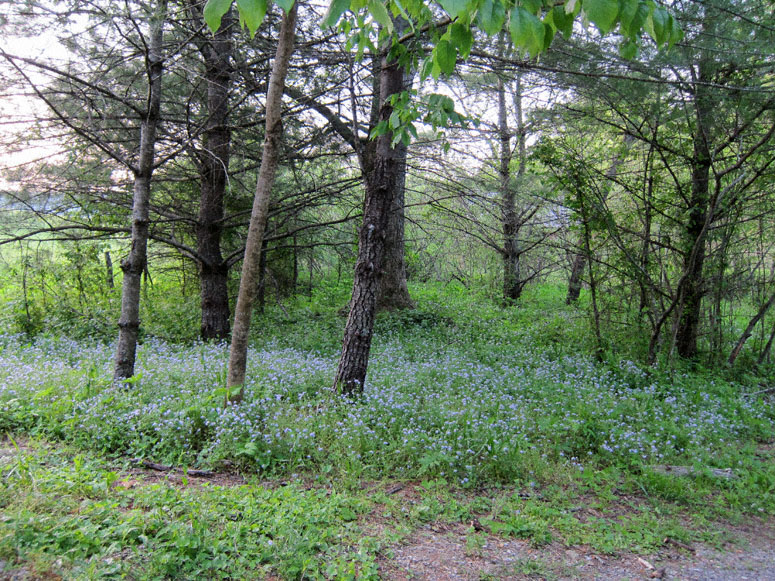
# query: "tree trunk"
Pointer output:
{"type": "Point", "coordinates": [270, 158]}
{"type": "Point", "coordinates": [511, 254]}
{"type": "Point", "coordinates": [574, 282]}
{"type": "Point", "coordinates": [380, 189]}
{"type": "Point", "coordinates": [393, 291]}
{"type": "Point", "coordinates": [749, 330]}
{"type": "Point", "coordinates": [135, 264]}
{"type": "Point", "coordinates": [213, 167]}
{"type": "Point", "coordinates": [693, 287]}
{"type": "Point", "coordinates": [109, 270]}
{"type": "Point", "coordinates": [214, 300]}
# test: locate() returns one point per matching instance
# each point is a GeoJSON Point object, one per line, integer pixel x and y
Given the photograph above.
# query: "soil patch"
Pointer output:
{"type": "Point", "coordinates": [454, 553]}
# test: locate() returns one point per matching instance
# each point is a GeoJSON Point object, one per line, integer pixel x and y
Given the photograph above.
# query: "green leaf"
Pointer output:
{"type": "Point", "coordinates": [425, 68]}
{"type": "Point", "coordinates": [532, 6]}
{"type": "Point", "coordinates": [394, 120]}
{"type": "Point", "coordinates": [214, 11]}
{"type": "Point", "coordinates": [252, 13]}
{"type": "Point", "coordinates": [661, 25]}
{"type": "Point", "coordinates": [380, 14]}
{"type": "Point", "coordinates": [286, 5]}
{"type": "Point", "coordinates": [446, 56]}
{"type": "Point", "coordinates": [454, 7]}
{"type": "Point", "coordinates": [561, 20]}
{"type": "Point", "coordinates": [380, 129]}
{"type": "Point", "coordinates": [461, 36]}
{"type": "Point", "coordinates": [435, 69]}
{"type": "Point", "coordinates": [633, 18]}
{"type": "Point", "coordinates": [627, 11]}
{"type": "Point", "coordinates": [628, 49]}
{"type": "Point", "coordinates": [491, 16]}
{"type": "Point", "coordinates": [548, 36]}
{"type": "Point", "coordinates": [334, 13]}
{"type": "Point", "coordinates": [602, 13]}
{"type": "Point", "coordinates": [347, 514]}
{"type": "Point", "coordinates": [676, 33]}
{"type": "Point", "coordinates": [526, 30]}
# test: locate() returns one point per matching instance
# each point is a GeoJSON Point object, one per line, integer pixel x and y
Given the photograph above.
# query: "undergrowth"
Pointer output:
{"type": "Point", "coordinates": [464, 394]}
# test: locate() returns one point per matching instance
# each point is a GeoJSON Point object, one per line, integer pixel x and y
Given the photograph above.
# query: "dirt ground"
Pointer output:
{"type": "Point", "coordinates": [445, 554]}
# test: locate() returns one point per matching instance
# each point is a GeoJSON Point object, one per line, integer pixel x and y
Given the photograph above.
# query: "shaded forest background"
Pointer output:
{"type": "Point", "coordinates": [638, 189]}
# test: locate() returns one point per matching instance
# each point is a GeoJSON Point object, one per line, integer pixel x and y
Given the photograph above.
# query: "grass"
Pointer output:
{"type": "Point", "coordinates": [70, 514]}
{"type": "Point", "coordinates": [500, 413]}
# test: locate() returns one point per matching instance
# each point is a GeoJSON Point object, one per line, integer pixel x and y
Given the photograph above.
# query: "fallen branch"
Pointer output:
{"type": "Point", "coordinates": [164, 468]}
{"type": "Point", "coordinates": [672, 541]}
{"type": "Point", "coordinates": [768, 390]}
{"type": "Point", "coordinates": [691, 471]}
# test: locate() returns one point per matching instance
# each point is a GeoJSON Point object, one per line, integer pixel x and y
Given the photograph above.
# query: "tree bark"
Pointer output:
{"type": "Point", "coordinates": [574, 281]}
{"type": "Point", "coordinates": [135, 264]}
{"type": "Point", "coordinates": [213, 167]}
{"type": "Point", "coordinates": [393, 291]}
{"type": "Point", "coordinates": [380, 189]}
{"type": "Point", "coordinates": [109, 270]}
{"type": "Point", "coordinates": [693, 288]}
{"type": "Point", "coordinates": [269, 162]}
{"type": "Point", "coordinates": [511, 254]}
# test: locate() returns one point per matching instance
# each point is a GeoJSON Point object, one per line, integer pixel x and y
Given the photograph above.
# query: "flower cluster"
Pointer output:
{"type": "Point", "coordinates": [471, 411]}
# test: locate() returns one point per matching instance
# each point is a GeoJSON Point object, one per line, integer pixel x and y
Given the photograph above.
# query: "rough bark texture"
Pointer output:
{"type": "Point", "coordinates": [269, 160]}
{"type": "Point", "coordinates": [135, 264]}
{"type": "Point", "coordinates": [574, 282]}
{"type": "Point", "coordinates": [693, 287]}
{"type": "Point", "coordinates": [393, 291]}
{"type": "Point", "coordinates": [380, 189]}
{"type": "Point", "coordinates": [213, 167]}
{"type": "Point", "coordinates": [511, 254]}
{"type": "Point", "coordinates": [109, 270]}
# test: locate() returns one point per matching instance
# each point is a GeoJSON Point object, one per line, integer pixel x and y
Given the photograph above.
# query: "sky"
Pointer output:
{"type": "Point", "coordinates": [18, 107]}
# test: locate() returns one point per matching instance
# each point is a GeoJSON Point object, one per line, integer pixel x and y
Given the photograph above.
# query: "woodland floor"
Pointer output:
{"type": "Point", "coordinates": [444, 551]}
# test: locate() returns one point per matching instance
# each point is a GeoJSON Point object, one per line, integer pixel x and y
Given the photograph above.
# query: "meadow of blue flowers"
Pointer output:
{"type": "Point", "coordinates": [470, 398]}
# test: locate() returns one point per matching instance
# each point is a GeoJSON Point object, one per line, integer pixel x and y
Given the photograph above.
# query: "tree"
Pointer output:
{"type": "Point", "coordinates": [395, 122]}
{"type": "Point", "coordinates": [393, 291]}
{"type": "Point", "coordinates": [669, 222]}
{"type": "Point", "coordinates": [382, 178]}
{"type": "Point", "coordinates": [135, 264]}
{"type": "Point", "coordinates": [269, 161]}
{"type": "Point", "coordinates": [213, 162]}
